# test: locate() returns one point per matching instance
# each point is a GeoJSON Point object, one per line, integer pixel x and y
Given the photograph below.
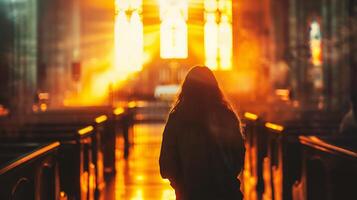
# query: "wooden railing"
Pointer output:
{"type": "Point", "coordinates": [276, 155]}
{"type": "Point", "coordinates": [87, 145]}
{"type": "Point", "coordinates": [29, 171]}
{"type": "Point", "coordinates": [329, 168]}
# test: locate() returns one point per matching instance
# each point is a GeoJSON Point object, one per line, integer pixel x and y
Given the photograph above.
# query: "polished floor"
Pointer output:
{"type": "Point", "coordinates": [138, 177]}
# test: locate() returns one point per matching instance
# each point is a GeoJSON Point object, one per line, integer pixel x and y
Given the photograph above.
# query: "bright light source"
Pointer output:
{"type": "Point", "coordinates": [218, 34]}
{"type": "Point", "coordinates": [85, 130]}
{"type": "Point", "coordinates": [210, 5]}
{"type": "Point", "coordinates": [211, 41]}
{"type": "Point", "coordinates": [315, 44]}
{"type": "Point", "coordinates": [129, 44]}
{"type": "Point", "coordinates": [173, 29]}
{"type": "Point", "coordinates": [250, 116]}
{"type": "Point", "coordinates": [43, 107]}
{"type": "Point", "coordinates": [140, 177]}
{"type": "Point", "coordinates": [125, 5]}
{"type": "Point", "coordinates": [118, 111]}
{"type": "Point", "coordinates": [101, 119]}
{"type": "Point", "coordinates": [132, 104]}
{"type": "Point", "coordinates": [43, 96]}
{"type": "Point", "coordinates": [275, 127]}
{"type": "Point", "coordinates": [225, 43]}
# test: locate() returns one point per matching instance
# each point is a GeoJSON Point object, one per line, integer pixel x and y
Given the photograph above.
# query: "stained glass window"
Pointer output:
{"type": "Point", "coordinates": [218, 34]}
{"type": "Point", "coordinates": [173, 28]}
{"type": "Point", "coordinates": [128, 36]}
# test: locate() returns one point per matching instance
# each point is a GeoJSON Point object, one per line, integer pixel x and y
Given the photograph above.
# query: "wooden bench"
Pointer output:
{"type": "Point", "coordinates": [329, 168]}
{"type": "Point", "coordinates": [273, 159]}
{"type": "Point", "coordinates": [29, 171]}
{"type": "Point", "coordinates": [76, 165]}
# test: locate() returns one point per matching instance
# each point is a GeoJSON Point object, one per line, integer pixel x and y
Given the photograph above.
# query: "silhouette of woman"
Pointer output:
{"type": "Point", "coordinates": [202, 151]}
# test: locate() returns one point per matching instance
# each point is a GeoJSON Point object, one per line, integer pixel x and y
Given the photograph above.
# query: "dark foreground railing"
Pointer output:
{"type": "Point", "coordinates": [76, 166]}
{"type": "Point", "coordinates": [329, 168]}
{"type": "Point", "coordinates": [276, 156]}
{"type": "Point", "coordinates": [29, 171]}
{"type": "Point", "coordinates": [87, 150]}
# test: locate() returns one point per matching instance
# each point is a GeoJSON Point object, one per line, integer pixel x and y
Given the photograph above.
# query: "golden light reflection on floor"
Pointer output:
{"type": "Point", "coordinates": [138, 178]}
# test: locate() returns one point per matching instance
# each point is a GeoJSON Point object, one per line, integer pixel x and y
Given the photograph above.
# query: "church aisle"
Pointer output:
{"type": "Point", "coordinates": [138, 177]}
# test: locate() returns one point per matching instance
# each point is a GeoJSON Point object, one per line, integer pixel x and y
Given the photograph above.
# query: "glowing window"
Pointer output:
{"type": "Point", "coordinates": [218, 34]}
{"type": "Point", "coordinates": [173, 28]}
{"type": "Point", "coordinates": [315, 43]}
{"type": "Point", "coordinates": [128, 37]}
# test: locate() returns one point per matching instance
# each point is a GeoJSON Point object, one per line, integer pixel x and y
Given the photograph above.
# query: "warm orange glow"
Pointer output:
{"type": "Point", "coordinates": [277, 172]}
{"type": "Point", "coordinates": [95, 90]}
{"type": "Point", "coordinates": [249, 176]}
{"type": "Point", "coordinates": [140, 177]}
{"type": "Point", "coordinates": [267, 176]}
{"type": "Point", "coordinates": [4, 111]}
{"type": "Point", "coordinates": [218, 34]}
{"type": "Point", "coordinates": [225, 43]}
{"type": "Point", "coordinates": [118, 111]}
{"type": "Point", "coordinates": [275, 127]}
{"type": "Point", "coordinates": [211, 41]}
{"type": "Point", "coordinates": [139, 194]}
{"type": "Point", "coordinates": [92, 178]}
{"type": "Point", "coordinates": [132, 104]}
{"type": "Point", "coordinates": [43, 96]}
{"type": "Point", "coordinates": [85, 130]}
{"type": "Point", "coordinates": [101, 119]}
{"type": "Point", "coordinates": [168, 194]}
{"type": "Point", "coordinates": [324, 146]}
{"type": "Point", "coordinates": [250, 116]}
{"type": "Point", "coordinates": [84, 178]}
{"type": "Point", "coordinates": [245, 79]}
{"type": "Point", "coordinates": [282, 92]}
{"type": "Point", "coordinates": [62, 194]}
{"type": "Point", "coordinates": [165, 180]}
{"type": "Point", "coordinates": [34, 108]}
{"type": "Point", "coordinates": [315, 44]}
{"type": "Point", "coordinates": [173, 28]}
{"type": "Point", "coordinates": [128, 44]}
{"type": "Point", "coordinates": [43, 107]}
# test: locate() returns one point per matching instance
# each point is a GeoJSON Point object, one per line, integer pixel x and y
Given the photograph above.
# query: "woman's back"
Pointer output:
{"type": "Point", "coordinates": [210, 155]}
{"type": "Point", "coordinates": [202, 150]}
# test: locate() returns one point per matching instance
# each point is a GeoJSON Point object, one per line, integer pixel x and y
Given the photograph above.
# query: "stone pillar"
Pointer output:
{"type": "Point", "coordinates": [23, 56]}
{"type": "Point", "coordinates": [353, 50]}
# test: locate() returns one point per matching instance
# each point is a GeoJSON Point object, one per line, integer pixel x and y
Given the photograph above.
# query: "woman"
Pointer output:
{"type": "Point", "coordinates": [202, 150]}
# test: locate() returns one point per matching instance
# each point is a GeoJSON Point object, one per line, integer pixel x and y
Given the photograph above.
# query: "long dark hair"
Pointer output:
{"type": "Point", "coordinates": [200, 94]}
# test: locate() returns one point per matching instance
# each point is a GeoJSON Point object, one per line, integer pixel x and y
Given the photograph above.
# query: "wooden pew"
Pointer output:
{"type": "Point", "coordinates": [29, 171]}
{"type": "Point", "coordinates": [104, 119]}
{"type": "Point", "coordinates": [274, 153]}
{"type": "Point", "coordinates": [76, 166]}
{"type": "Point", "coordinates": [93, 152]}
{"type": "Point", "coordinates": [329, 168]}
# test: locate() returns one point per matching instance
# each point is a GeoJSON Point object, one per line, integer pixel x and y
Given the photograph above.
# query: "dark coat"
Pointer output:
{"type": "Point", "coordinates": [203, 159]}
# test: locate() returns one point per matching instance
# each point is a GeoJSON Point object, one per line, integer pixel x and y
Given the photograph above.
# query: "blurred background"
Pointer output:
{"type": "Point", "coordinates": [89, 52]}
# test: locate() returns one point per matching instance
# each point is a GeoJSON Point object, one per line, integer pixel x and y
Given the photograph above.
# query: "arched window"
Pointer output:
{"type": "Point", "coordinates": [218, 34]}
{"type": "Point", "coordinates": [128, 36]}
{"type": "Point", "coordinates": [316, 72]}
{"type": "Point", "coordinates": [315, 43]}
{"type": "Point", "coordinates": [173, 28]}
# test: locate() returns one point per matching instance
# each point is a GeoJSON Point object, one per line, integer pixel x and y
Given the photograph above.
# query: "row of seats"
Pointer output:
{"type": "Point", "coordinates": [286, 159]}
{"type": "Point", "coordinates": [59, 154]}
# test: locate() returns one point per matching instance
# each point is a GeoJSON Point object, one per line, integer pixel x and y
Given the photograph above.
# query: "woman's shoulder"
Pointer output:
{"type": "Point", "coordinates": [173, 114]}
{"type": "Point", "coordinates": [174, 117]}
